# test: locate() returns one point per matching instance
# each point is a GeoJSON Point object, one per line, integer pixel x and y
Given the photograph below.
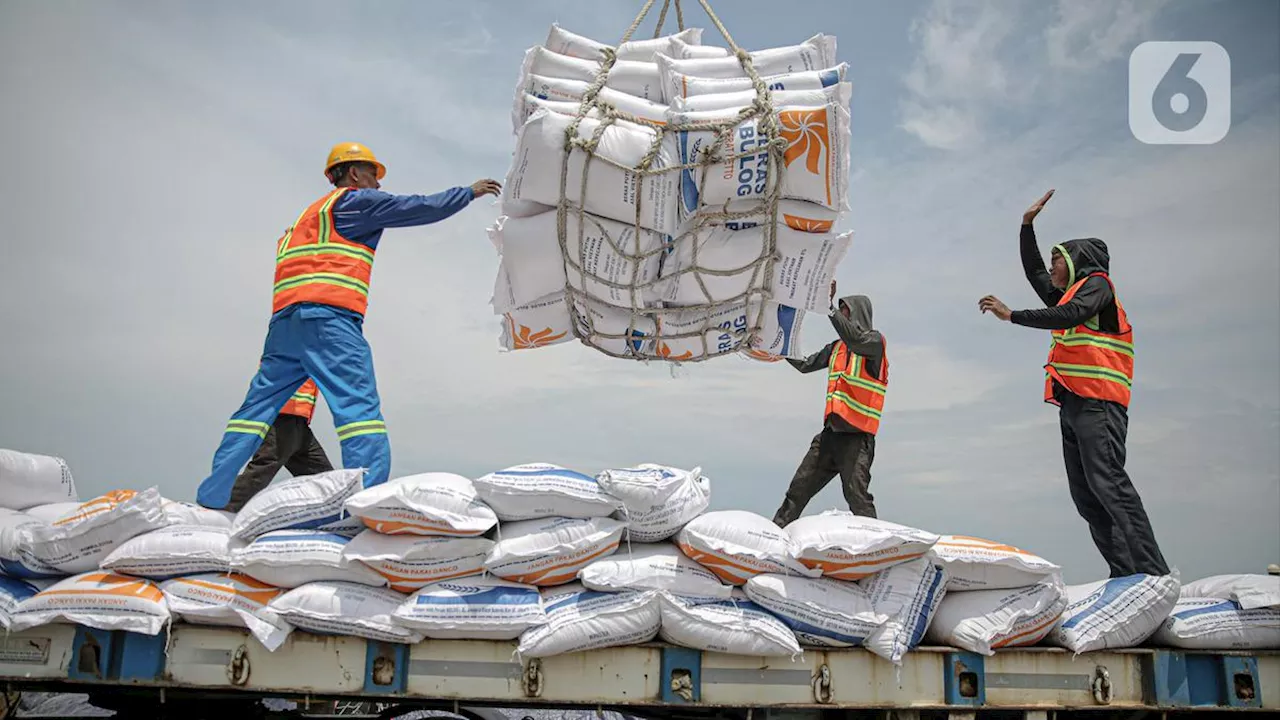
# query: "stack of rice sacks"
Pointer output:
{"type": "Point", "coordinates": [655, 269]}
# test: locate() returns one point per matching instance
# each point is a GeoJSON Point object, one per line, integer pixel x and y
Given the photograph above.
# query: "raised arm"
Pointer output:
{"type": "Point", "coordinates": [816, 361]}
{"type": "Point", "coordinates": [361, 212]}
{"type": "Point", "coordinates": [1032, 263]}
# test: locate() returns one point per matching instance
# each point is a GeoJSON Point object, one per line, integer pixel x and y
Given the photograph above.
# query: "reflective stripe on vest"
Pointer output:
{"type": "Point", "coordinates": [852, 393]}
{"type": "Point", "coordinates": [314, 264]}
{"type": "Point", "coordinates": [1088, 362]}
{"type": "Point", "coordinates": [303, 402]}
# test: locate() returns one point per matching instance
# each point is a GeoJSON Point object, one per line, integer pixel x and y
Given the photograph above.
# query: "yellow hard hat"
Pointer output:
{"type": "Point", "coordinates": [352, 152]}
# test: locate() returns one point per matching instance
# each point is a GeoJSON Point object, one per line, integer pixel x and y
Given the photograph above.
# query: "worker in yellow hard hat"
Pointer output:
{"type": "Point", "coordinates": [324, 262]}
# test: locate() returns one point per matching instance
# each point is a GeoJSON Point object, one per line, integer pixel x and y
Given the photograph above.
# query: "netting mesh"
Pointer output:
{"type": "Point", "coordinates": [653, 327]}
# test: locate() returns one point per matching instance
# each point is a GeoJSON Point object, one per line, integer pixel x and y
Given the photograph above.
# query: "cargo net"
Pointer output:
{"type": "Point", "coordinates": [699, 331]}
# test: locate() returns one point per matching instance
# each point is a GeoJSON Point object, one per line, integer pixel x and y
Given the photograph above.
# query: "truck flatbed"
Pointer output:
{"type": "Point", "coordinates": [650, 679]}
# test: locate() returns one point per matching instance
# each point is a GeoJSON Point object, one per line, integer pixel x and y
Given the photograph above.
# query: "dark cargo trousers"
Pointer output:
{"type": "Point", "coordinates": [847, 454]}
{"type": "Point", "coordinates": [1093, 446]}
{"type": "Point", "coordinates": [289, 444]}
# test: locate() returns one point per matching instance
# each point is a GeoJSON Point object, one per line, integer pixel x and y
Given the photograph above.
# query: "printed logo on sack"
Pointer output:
{"type": "Point", "coordinates": [526, 338]}
{"type": "Point", "coordinates": [808, 225]}
{"type": "Point", "coordinates": [1179, 93]}
{"type": "Point", "coordinates": [806, 134]}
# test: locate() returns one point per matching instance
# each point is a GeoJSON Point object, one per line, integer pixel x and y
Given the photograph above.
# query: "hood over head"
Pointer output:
{"type": "Point", "coordinates": [859, 311]}
{"type": "Point", "coordinates": [1084, 257]}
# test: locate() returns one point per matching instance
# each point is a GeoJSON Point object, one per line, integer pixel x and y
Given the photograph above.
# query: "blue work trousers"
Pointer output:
{"type": "Point", "coordinates": [326, 344]}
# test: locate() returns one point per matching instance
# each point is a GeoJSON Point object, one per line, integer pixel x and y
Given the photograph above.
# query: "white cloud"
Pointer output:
{"type": "Point", "coordinates": [1088, 33]}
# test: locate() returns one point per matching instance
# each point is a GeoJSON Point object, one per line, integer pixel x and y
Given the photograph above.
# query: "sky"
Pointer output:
{"type": "Point", "coordinates": [156, 150]}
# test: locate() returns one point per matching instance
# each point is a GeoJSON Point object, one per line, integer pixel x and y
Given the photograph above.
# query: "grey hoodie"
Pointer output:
{"type": "Point", "coordinates": [856, 332]}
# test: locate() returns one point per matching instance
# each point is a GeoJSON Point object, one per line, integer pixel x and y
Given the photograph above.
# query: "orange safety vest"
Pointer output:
{"type": "Point", "coordinates": [314, 264]}
{"type": "Point", "coordinates": [303, 402]}
{"type": "Point", "coordinates": [1089, 362]}
{"type": "Point", "coordinates": [852, 393]}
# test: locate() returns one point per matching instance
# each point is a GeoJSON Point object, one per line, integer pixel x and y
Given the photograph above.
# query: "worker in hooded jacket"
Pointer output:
{"type": "Point", "coordinates": [289, 444]}
{"type": "Point", "coordinates": [324, 263]}
{"type": "Point", "coordinates": [857, 366]}
{"type": "Point", "coordinates": [1089, 375]}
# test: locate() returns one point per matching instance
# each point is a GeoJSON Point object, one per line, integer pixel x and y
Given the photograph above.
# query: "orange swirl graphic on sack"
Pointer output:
{"type": "Point", "coordinates": [760, 355]}
{"type": "Point", "coordinates": [525, 338]}
{"type": "Point", "coordinates": [664, 352]}
{"type": "Point", "coordinates": [806, 134]}
{"type": "Point", "coordinates": [808, 225]}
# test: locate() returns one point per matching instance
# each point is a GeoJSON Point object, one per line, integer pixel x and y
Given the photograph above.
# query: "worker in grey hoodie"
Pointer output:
{"type": "Point", "coordinates": [857, 368]}
{"type": "Point", "coordinates": [1089, 375]}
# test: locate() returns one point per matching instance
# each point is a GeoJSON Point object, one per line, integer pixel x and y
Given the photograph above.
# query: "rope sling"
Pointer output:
{"type": "Point", "coordinates": [640, 344]}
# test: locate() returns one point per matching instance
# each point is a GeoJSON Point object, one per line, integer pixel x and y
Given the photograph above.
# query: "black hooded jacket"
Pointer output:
{"type": "Point", "coordinates": [1084, 256]}
{"type": "Point", "coordinates": [855, 331]}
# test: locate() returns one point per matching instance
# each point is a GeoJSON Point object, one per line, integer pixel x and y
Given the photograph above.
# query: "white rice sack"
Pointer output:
{"type": "Point", "coordinates": [345, 608]}
{"type": "Point", "coordinates": [816, 53]}
{"type": "Point", "coordinates": [185, 513]}
{"type": "Point", "coordinates": [683, 85]}
{"type": "Point", "coordinates": [820, 611]}
{"type": "Point", "coordinates": [78, 541]}
{"type": "Point", "coordinates": [580, 619]}
{"type": "Point", "coordinates": [977, 564]}
{"type": "Point", "coordinates": [475, 608]}
{"type": "Point", "coordinates": [27, 480]}
{"type": "Point", "coordinates": [15, 557]}
{"type": "Point", "coordinates": [1250, 591]}
{"type": "Point", "coordinates": [983, 621]}
{"type": "Point", "coordinates": [290, 558]}
{"type": "Point", "coordinates": [804, 266]}
{"type": "Point", "coordinates": [542, 490]}
{"type": "Point", "coordinates": [652, 566]}
{"type": "Point", "coordinates": [851, 547]}
{"type": "Point", "coordinates": [816, 158]}
{"type": "Point", "coordinates": [657, 500]}
{"type": "Point", "coordinates": [612, 191]}
{"type": "Point", "coordinates": [551, 551]}
{"type": "Point", "coordinates": [1116, 613]}
{"type": "Point", "coordinates": [434, 503]}
{"type": "Point", "coordinates": [537, 268]}
{"type": "Point", "coordinates": [909, 594]}
{"type": "Point", "coordinates": [302, 503]}
{"type": "Point", "coordinates": [633, 77]}
{"type": "Point", "coordinates": [779, 334]}
{"type": "Point", "coordinates": [840, 93]}
{"type": "Point", "coordinates": [736, 545]}
{"type": "Point", "coordinates": [565, 97]}
{"type": "Point", "coordinates": [735, 626]}
{"type": "Point", "coordinates": [173, 551]}
{"type": "Point", "coordinates": [569, 43]}
{"type": "Point", "coordinates": [100, 600]}
{"type": "Point", "coordinates": [225, 600]}
{"type": "Point", "coordinates": [539, 324]}
{"type": "Point", "coordinates": [1214, 624]}
{"type": "Point", "coordinates": [12, 593]}
{"type": "Point", "coordinates": [409, 562]}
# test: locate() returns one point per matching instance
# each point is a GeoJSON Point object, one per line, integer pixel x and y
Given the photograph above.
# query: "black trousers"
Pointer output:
{"type": "Point", "coordinates": [1093, 446]}
{"type": "Point", "coordinates": [289, 444]}
{"type": "Point", "coordinates": [848, 454]}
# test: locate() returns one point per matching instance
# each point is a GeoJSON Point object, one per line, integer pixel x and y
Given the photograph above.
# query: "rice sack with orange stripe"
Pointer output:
{"type": "Point", "coordinates": [579, 619]}
{"type": "Point", "coordinates": [173, 551]}
{"type": "Point", "coordinates": [816, 157]}
{"type": "Point", "coordinates": [657, 500]}
{"type": "Point", "coordinates": [983, 621]}
{"type": "Point", "coordinates": [474, 608]}
{"type": "Point", "coordinates": [78, 541]}
{"type": "Point", "coordinates": [344, 608]}
{"type": "Point", "coordinates": [816, 53]}
{"type": "Point", "coordinates": [435, 503]}
{"type": "Point", "coordinates": [409, 562]}
{"type": "Point", "coordinates": [737, 545]}
{"type": "Point", "coordinates": [977, 564]}
{"type": "Point", "coordinates": [851, 547]}
{"type": "Point", "coordinates": [820, 611]}
{"type": "Point", "coordinates": [542, 490]}
{"type": "Point", "coordinates": [228, 601]}
{"type": "Point", "coordinates": [291, 558]}
{"type": "Point", "coordinates": [101, 600]}
{"type": "Point", "coordinates": [309, 502]}
{"type": "Point", "coordinates": [551, 551]}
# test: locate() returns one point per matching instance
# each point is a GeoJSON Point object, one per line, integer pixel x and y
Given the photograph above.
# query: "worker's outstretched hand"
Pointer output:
{"type": "Point", "coordinates": [481, 188]}
{"type": "Point", "coordinates": [1035, 209]}
{"type": "Point", "coordinates": [993, 305]}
